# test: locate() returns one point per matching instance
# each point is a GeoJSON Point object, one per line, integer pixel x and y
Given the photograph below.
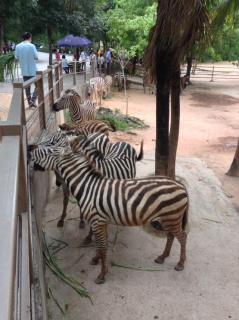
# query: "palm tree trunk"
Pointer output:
{"type": "Point", "coordinates": [234, 169]}
{"type": "Point", "coordinates": [162, 114]}
{"type": "Point", "coordinates": [189, 66]}
{"type": "Point", "coordinates": [175, 121]}
{"type": "Point", "coordinates": [1, 33]}
{"type": "Point", "coordinates": [50, 43]}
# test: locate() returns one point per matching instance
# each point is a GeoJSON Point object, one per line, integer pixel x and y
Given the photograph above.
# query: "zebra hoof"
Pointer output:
{"type": "Point", "coordinates": [94, 261]}
{"type": "Point", "coordinates": [100, 280]}
{"type": "Point", "coordinates": [60, 223]}
{"type": "Point", "coordinates": [159, 260]}
{"type": "Point", "coordinates": [179, 267]}
{"type": "Point", "coordinates": [86, 241]}
{"type": "Point", "coordinates": [82, 224]}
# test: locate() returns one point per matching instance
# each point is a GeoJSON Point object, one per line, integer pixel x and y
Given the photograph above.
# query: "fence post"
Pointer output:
{"type": "Point", "coordinates": [50, 85]}
{"type": "Point", "coordinates": [60, 76]}
{"type": "Point", "coordinates": [74, 72]}
{"type": "Point", "coordinates": [41, 99]}
{"type": "Point", "coordinates": [57, 80]}
{"type": "Point", "coordinates": [212, 74]}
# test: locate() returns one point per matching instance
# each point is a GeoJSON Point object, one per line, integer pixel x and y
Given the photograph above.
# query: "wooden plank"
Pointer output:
{"type": "Point", "coordinates": [9, 161]}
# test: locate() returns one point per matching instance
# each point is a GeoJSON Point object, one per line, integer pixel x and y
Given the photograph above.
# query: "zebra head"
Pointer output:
{"type": "Point", "coordinates": [44, 158]}
{"type": "Point", "coordinates": [69, 98]}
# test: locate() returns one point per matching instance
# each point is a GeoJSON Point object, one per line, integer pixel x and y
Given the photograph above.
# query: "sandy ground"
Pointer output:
{"type": "Point", "coordinates": [208, 288]}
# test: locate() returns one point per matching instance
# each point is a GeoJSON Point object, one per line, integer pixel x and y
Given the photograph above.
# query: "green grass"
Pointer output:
{"type": "Point", "coordinates": [114, 118]}
{"type": "Point", "coordinates": [120, 121]}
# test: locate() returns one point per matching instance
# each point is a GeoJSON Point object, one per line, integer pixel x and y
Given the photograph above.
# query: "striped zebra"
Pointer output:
{"type": "Point", "coordinates": [157, 201]}
{"type": "Point", "coordinates": [117, 160]}
{"type": "Point", "coordinates": [113, 160]}
{"type": "Point", "coordinates": [99, 88]}
{"type": "Point", "coordinates": [79, 110]}
{"type": "Point", "coordinates": [119, 80]}
{"type": "Point", "coordinates": [82, 114]}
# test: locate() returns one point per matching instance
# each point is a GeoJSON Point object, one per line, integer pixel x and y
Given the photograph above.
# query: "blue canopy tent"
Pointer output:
{"type": "Point", "coordinates": [71, 41]}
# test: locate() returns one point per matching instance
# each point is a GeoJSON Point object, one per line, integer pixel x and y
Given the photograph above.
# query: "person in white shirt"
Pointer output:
{"type": "Point", "coordinates": [82, 60]}
{"type": "Point", "coordinates": [26, 53]}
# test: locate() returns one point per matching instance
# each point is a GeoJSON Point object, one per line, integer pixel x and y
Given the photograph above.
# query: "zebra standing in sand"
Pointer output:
{"type": "Point", "coordinates": [99, 87]}
{"type": "Point", "coordinates": [119, 80]}
{"type": "Point", "coordinates": [160, 202]}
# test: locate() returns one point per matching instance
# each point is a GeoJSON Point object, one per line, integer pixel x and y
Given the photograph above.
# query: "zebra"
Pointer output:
{"type": "Point", "coordinates": [158, 201]}
{"type": "Point", "coordinates": [114, 160]}
{"type": "Point", "coordinates": [117, 160]}
{"type": "Point", "coordinates": [99, 87]}
{"type": "Point", "coordinates": [82, 114]}
{"type": "Point", "coordinates": [79, 110]}
{"type": "Point", "coordinates": [119, 80]}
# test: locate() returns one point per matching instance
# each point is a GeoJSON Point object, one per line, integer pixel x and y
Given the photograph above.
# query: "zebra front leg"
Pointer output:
{"type": "Point", "coordinates": [82, 222]}
{"type": "Point", "coordinates": [182, 239]}
{"type": "Point", "coordinates": [60, 223]}
{"type": "Point", "coordinates": [167, 249]}
{"type": "Point", "coordinates": [100, 232]}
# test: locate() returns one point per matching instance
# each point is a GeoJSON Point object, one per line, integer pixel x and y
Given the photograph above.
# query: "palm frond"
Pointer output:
{"type": "Point", "coordinates": [180, 25]}
{"type": "Point", "coordinates": [226, 8]}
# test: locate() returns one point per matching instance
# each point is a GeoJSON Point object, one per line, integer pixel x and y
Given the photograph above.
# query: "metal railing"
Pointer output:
{"type": "Point", "coordinates": [20, 250]}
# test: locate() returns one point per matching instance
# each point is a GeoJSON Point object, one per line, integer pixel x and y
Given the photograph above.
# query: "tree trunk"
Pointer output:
{"type": "Point", "coordinates": [189, 66]}
{"type": "Point", "coordinates": [1, 33]}
{"type": "Point", "coordinates": [50, 43]}
{"type": "Point", "coordinates": [175, 121]}
{"type": "Point", "coordinates": [234, 168]}
{"type": "Point", "coordinates": [162, 114]}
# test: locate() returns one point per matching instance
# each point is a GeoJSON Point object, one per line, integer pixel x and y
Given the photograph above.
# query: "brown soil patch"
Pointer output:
{"type": "Point", "coordinates": [205, 99]}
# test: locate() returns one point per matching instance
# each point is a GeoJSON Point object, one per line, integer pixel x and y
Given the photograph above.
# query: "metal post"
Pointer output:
{"type": "Point", "coordinates": [212, 74]}
{"type": "Point", "coordinates": [74, 72]}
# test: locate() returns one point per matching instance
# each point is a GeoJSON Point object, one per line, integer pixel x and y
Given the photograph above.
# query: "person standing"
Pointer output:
{"type": "Point", "coordinates": [65, 64]}
{"type": "Point", "coordinates": [26, 53]}
{"type": "Point", "coordinates": [108, 61]}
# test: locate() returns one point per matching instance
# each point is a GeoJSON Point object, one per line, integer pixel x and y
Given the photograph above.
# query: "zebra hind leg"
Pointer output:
{"type": "Point", "coordinates": [82, 222]}
{"type": "Point", "coordinates": [60, 223]}
{"type": "Point", "coordinates": [100, 232]}
{"type": "Point", "coordinates": [182, 238]}
{"type": "Point", "coordinates": [166, 253]}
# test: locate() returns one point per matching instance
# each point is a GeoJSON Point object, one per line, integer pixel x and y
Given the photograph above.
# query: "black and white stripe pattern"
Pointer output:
{"type": "Point", "coordinates": [119, 80]}
{"type": "Point", "coordinates": [113, 160]}
{"type": "Point", "coordinates": [79, 110]}
{"type": "Point", "coordinates": [99, 88]}
{"type": "Point", "coordinates": [158, 201]}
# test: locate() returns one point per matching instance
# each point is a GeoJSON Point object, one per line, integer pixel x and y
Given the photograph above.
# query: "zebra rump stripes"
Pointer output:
{"type": "Point", "coordinates": [159, 201]}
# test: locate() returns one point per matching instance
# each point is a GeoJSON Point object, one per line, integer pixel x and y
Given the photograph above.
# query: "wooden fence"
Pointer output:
{"type": "Point", "coordinates": [22, 290]}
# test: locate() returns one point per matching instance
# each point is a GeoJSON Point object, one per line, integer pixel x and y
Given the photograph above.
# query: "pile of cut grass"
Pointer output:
{"type": "Point", "coordinates": [115, 118]}
{"type": "Point", "coordinates": [120, 121]}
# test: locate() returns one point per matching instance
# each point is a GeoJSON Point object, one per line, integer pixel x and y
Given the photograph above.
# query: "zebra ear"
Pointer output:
{"type": "Point", "coordinates": [65, 152]}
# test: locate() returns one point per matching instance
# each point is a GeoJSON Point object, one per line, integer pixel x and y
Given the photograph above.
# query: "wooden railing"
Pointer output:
{"type": "Point", "coordinates": [22, 292]}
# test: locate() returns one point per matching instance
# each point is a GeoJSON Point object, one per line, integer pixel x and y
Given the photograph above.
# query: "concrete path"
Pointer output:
{"type": "Point", "coordinates": [207, 289]}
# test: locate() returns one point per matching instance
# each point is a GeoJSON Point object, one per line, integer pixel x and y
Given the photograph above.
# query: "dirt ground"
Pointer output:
{"type": "Point", "coordinates": [208, 288]}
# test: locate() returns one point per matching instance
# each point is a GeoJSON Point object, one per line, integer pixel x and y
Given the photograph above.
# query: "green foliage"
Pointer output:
{"type": "Point", "coordinates": [7, 66]}
{"type": "Point", "coordinates": [128, 25]}
{"type": "Point", "coordinates": [224, 45]}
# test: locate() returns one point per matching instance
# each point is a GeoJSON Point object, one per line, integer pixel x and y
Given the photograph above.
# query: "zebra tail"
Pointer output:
{"type": "Point", "coordinates": [141, 152]}
{"type": "Point", "coordinates": [185, 222]}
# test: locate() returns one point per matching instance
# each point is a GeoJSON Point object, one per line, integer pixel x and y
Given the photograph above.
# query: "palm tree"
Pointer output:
{"type": "Point", "coordinates": [180, 24]}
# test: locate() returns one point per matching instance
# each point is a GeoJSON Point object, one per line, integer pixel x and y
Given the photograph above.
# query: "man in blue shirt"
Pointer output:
{"type": "Point", "coordinates": [26, 53]}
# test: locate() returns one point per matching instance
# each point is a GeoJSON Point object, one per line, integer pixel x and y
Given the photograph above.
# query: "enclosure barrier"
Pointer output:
{"type": "Point", "coordinates": [22, 290]}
